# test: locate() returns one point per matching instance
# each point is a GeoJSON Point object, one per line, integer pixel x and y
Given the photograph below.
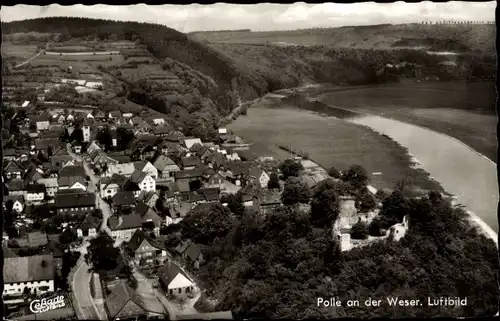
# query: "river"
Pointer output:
{"type": "Point", "coordinates": [459, 169]}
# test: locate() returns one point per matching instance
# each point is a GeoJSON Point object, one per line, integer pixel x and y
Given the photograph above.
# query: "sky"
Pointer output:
{"type": "Point", "coordinates": [264, 16]}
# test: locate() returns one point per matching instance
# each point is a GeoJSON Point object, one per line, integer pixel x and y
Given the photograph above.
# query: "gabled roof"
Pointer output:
{"type": "Point", "coordinates": [187, 174]}
{"type": "Point", "coordinates": [170, 273]}
{"type": "Point", "coordinates": [69, 171]}
{"type": "Point", "coordinates": [36, 239]}
{"type": "Point", "coordinates": [138, 176]}
{"type": "Point", "coordinates": [74, 199]}
{"type": "Point", "coordinates": [193, 252]}
{"type": "Point", "coordinates": [17, 185]}
{"type": "Point", "coordinates": [190, 161]}
{"type": "Point", "coordinates": [210, 194]}
{"type": "Point", "coordinates": [28, 268]}
{"type": "Point", "coordinates": [13, 166]}
{"type": "Point", "coordinates": [36, 188]}
{"type": "Point", "coordinates": [124, 198]}
{"type": "Point", "coordinates": [14, 198]}
{"type": "Point", "coordinates": [163, 161]}
{"type": "Point", "coordinates": [125, 222]}
{"type": "Point", "coordinates": [90, 221]}
{"type": "Point", "coordinates": [71, 180]}
{"type": "Point", "coordinates": [115, 113]}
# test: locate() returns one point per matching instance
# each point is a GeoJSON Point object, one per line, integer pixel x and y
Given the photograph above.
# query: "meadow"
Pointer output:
{"type": "Point", "coordinates": [463, 111]}
{"type": "Point", "coordinates": [327, 141]}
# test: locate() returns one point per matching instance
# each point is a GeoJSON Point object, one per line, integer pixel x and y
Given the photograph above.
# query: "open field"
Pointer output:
{"type": "Point", "coordinates": [21, 52]}
{"type": "Point", "coordinates": [465, 112]}
{"type": "Point", "coordinates": [74, 48]}
{"type": "Point", "coordinates": [475, 36]}
{"type": "Point", "coordinates": [328, 142]}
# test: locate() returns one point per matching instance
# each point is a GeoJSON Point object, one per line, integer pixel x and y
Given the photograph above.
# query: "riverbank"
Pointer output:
{"type": "Point", "coordinates": [270, 126]}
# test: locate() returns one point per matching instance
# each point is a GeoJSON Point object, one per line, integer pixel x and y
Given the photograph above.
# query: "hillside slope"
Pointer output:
{"type": "Point", "coordinates": [460, 37]}
{"type": "Point", "coordinates": [214, 78]}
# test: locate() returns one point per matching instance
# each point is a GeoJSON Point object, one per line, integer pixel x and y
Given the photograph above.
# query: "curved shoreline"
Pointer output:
{"type": "Point", "coordinates": [475, 220]}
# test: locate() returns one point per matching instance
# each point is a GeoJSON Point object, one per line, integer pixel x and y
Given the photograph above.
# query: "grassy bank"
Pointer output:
{"type": "Point", "coordinates": [328, 142]}
{"type": "Point", "coordinates": [458, 110]}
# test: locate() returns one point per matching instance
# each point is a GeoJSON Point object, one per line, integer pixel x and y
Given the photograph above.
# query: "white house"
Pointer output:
{"type": "Point", "coordinates": [108, 187]}
{"type": "Point", "coordinates": [73, 183]}
{"type": "Point", "coordinates": [92, 147]}
{"type": "Point", "coordinates": [51, 185]}
{"type": "Point", "coordinates": [146, 167]}
{"type": "Point", "coordinates": [35, 193]}
{"type": "Point", "coordinates": [125, 169]}
{"type": "Point", "coordinates": [123, 227]}
{"type": "Point", "coordinates": [35, 272]}
{"type": "Point", "coordinates": [127, 115]}
{"type": "Point", "coordinates": [79, 82]}
{"type": "Point", "coordinates": [260, 176]}
{"type": "Point", "coordinates": [17, 202]}
{"type": "Point", "coordinates": [86, 132]}
{"type": "Point", "coordinates": [175, 281]}
{"type": "Point", "coordinates": [222, 131]}
{"type": "Point", "coordinates": [70, 118]}
{"type": "Point", "coordinates": [25, 104]}
{"type": "Point", "coordinates": [166, 167]}
{"type": "Point", "coordinates": [43, 123]}
{"type": "Point", "coordinates": [90, 116]}
{"type": "Point", "coordinates": [144, 181]}
{"type": "Point", "coordinates": [189, 142]}
{"type": "Point", "coordinates": [159, 121]}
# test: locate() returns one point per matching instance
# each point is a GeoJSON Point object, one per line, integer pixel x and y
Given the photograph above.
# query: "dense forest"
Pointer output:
{"type": "Point", "coordinates": [214, 78]}
{"type": "Point", "coordinates": [278, 265]}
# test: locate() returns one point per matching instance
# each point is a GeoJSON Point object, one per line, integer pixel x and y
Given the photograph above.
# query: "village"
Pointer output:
{"type": "Point", "coordinates": [83, 175]}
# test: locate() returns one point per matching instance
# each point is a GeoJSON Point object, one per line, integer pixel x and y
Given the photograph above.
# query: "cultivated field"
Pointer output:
{"type": "Point", "coordinates": [327, 141]}
{"type": "Point", "coordinates": [463, 111]}
{"type": "Point", "coordinates": [378, 36]}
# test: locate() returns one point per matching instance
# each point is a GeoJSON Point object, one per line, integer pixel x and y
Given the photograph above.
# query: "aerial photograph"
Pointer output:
{"type": "Point", "coordinates": [258, 161]}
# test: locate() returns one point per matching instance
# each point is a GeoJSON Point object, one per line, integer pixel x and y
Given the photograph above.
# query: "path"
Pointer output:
{"type": "Point", "coordinates": [27, 61]}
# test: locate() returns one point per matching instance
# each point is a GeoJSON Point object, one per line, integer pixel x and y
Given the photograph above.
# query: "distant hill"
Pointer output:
{"type": "Point", "coordinates": [210, 79]}
{"type": "Point", "coordinates": [459, 37]}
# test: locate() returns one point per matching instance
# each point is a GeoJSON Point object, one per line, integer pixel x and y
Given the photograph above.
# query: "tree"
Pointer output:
{"type": "Point", "coordinates": [105, 138]}
{"type": "Point", "coordinates": [97, 213]}
{"type": "Point", "coordinates": [124, 137]}
{"type": "Point", "coordinates": [274, 182]}
{"type": "Point", "coordinates": [295, 191]}
{"type": "Point", "coordinates": [365, 201]}
{"type": "Point", "coordinates": [203, 224]}
{"type": "Point", "coordinates": [395, 207]}
{"type": "Point", "coordinates": [359, 231]}
{"type": "Point", "coordinates": [68, 236]}
{"type": "Point", "coordinates": [325, 204]}
{"type": "Point", "coordinates": [235, 204]}
{"type": "Point", "coordinates": [102, 255]}
{"type": "Point", "coordinates": [333, 172]}
{"type": "Point", "coordinates": [356, 175]}
{"type": "Point", "coordinates": [291, 168]}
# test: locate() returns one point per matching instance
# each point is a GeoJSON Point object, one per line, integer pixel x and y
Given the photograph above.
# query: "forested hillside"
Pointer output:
{"type": "Point", "coordinates": [213, 78]}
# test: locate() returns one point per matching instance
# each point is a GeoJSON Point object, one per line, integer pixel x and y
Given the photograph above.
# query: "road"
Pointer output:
{"type": "Point", "coordinates": [85, 307]}
{"type": "Point", "coordinates": [94, 181]}
{"type": "Point", "coordinates": [27, 61]}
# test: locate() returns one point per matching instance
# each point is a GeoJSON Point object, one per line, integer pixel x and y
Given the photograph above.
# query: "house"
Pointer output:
{"type": "Point", "coordinates": [109, 186]}
{"type": "Point", "coordinates": [268, 202]}
{"type": "Point", "coordinates": [69, 171]}
{"type": "Point", "coordinates": [174, 281]}
{"type": "Point", "coordinates": [59, 161]}
{"type": "Point", "coordinates": [123, 303]}
{"type": "Point", "coordinates": [210, 195]}
{"type": "Point", "coordinates": [160, 131]}
{"type": "Point", "coordinates": [92, 147]}
{"type": "Point", "coordinates": [73, 183]}
{"type": "Point", "coordinates": [35, 193]}
{"type": "Point", "coordinates": [194, 256]}
{"type": "Point", "coordinates": [215, 181]}
{"type": "Point", "coordinates": [89, 226]}
{"type": "Point", "coordinates": [166, 167]}
{"type": "Point", "coordinates": [51, 185]}
{"type": "Point", "coordinates": [10, 154]}
{"type": "Point", "coordinates": [36, 273]}
{"type": "Point", "coordinates": [125, 169]}
{"type": "Point", "coordinates": [203, 153]}
{"type": "Point", "coordinates": [188, 142]}
{"type": "Point", "coordinates": [182, 247]}
{"type": "Point", "coordinates": [17, 202]}
{"type": "Point", "coordinates": [159, 121]}
{"type": "Point", "coordinates": [150, 219]}
{"type": "Point", "coordinates": [124, 226]}
{"type": "Point", "coordinates": [17, 187]}
{"type": "Point", "coordinates": [149, 198]}
{"type": "Point", "coordinates": [70, 118]}
{"type": "Point", "coordinates": [143, 180]}
{"type": "Point", "coordinates": [43, 122]}
{"type": "Point", "coordinates": [190, 163]}
{"type": "Point", "coordinates": [259, 176]}
{"type": "Point", "coordinates": [146, 167]}
{"type": "Point", "coordinates": [188, 180]}
{"type": "Point", "coordinates": [123, 200]}
{"type": "Point", "coordinates": [74, 202]}
{"type": "Point", "coordinates": [115, 114]}
{"type": "Point", "coordinates": [13, 170]}
{"type": "Point", "coordinates": [143, 251]}
{"type": "Point", "coordinates": [25, 104]}
{"type": "Point", "coordinates": [33, 173]}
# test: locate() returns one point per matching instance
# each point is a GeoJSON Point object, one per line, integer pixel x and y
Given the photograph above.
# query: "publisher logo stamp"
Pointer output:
{"type": "Point", "coordinates": [44, 305]}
